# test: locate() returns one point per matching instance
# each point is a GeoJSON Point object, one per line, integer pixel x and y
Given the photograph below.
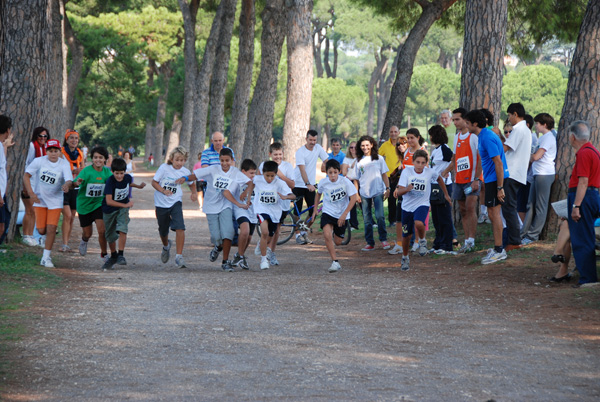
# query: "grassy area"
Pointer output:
{"type": "Point", "coordinates": [21, 280]}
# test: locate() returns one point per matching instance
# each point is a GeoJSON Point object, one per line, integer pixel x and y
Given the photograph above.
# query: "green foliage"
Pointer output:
{"type": "Point", "coordinates": [432, 88]}
{"type": "Point", "coordinates": [539, 88]}
{"type": "Point", "coordinates": [439, 44]}
{"type": "Point", "coordinates": [334, 102]}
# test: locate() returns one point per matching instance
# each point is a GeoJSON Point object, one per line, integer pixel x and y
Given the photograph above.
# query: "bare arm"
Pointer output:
{"type": "Point", "coordinates": [499, 176]}
{"type": "Point", "coordinates": [140, 186]}
{"type": "Point", "coordinates": [538, 155]}
{"type": "Point", "coordinates": [582, 186]}
{"type": "Point", "coordinates": [229, 197]}
{"type": "Point", "coordinates": [309, 186]}
{"type": "Point", "coordinates": [112, 203]}
{"type": "Point", "coordinates": [157, 187]}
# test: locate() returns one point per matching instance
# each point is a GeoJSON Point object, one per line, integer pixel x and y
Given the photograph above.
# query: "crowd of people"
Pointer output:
{"type": "Point", "coordinates": [501, 179]}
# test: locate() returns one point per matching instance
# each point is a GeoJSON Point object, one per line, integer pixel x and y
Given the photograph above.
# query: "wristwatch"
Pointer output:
{"type": "Point", "coordinates": [387, 188]}
{"type": "Point", "coordinates": [307, 184]}
{"type": "Point", "coordinates": [500, 188]}
{"type": "Point", "coordinates": [576, 206]}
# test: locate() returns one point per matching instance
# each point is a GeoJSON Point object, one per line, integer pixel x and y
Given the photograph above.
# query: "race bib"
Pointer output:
{"type": "Point", "coordinates": [267, 197]}
{"type": "Point", "coordinates": [169, 185]}
{"type": "Point", "coordinates": [419, 185]}
{"type": "Point", "coordinates": [94, 190]}
{"type": "Point", "coordinates": [49, 177]}
{"type": "Point", "coordinates": [463, 164]}
{"type": "Point", "coordinates": [221, 183]}
{"type": "Point", "coordinates": [337, 194]}
{"type": "Point", "coordinates": [121, 193]}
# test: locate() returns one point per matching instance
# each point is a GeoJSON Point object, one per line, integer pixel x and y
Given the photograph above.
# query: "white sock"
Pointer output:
{"type": "Point", "coordinates": [470, 240]}
{"type": "Point", "coordinates": [167, 247]}
{"type": "Point", "coordinates": [483, 209]}
{"type": "Point", "coordinates": [263, 258]}
{"type": "Point", "coordinates": [46, 253]}
{"type": "Point", "coordinates": [298, 235]}
{"type": "Point", "coordinates": [178, 255]}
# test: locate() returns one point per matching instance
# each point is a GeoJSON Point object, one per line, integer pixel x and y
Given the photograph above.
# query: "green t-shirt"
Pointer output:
{"type": "Point", "coordinates": [91, 190]}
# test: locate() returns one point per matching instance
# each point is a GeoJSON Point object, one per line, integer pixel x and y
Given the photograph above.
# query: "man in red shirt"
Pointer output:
{"type": "Point", "coordinates": [584, 201]}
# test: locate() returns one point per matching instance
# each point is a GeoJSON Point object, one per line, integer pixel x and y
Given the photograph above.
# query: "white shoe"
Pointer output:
{"type": "Point", "coordinates": [257, 249]}
{"type": "Point", "coordinates": [30, 241]}
{"type": "Point", "coordinates": [273, 259]}
{"type": "Point", "coordinates": [264, 264]}
{"type": "Point", "coordinates": [83, 247]}
{"type": "Point", "coordinates": [396, 250]}
{"type": "Point", "coordinates": [335, 266]}
{"type": "Point", "coordinates": [42, 241]}
{"type": "Point", "coordinates": [494, 257]}
{"type": "Point", "coordinates": [423, 247]}
{"type": "Point", "coordinates": [483, 218]}
{"type": "Point", "coordinates": [415, 247]}
{"type": "Point", "coordinates": [47, 262]}
{"type": "Point", "coordinates": [405, 263]}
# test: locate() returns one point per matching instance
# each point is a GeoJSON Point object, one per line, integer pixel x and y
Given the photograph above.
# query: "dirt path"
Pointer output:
{"type": "Point", "coordinates": [446, 330]}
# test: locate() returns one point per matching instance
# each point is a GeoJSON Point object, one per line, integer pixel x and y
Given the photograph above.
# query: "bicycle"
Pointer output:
{"type": "Point", "coordinates": [296, 220]}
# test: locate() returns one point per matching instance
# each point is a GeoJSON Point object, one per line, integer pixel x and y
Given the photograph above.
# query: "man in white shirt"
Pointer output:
{"type": "Point", "coordinates": [518, 152]}
{"type": "Point", "coordinates": [305, 175]}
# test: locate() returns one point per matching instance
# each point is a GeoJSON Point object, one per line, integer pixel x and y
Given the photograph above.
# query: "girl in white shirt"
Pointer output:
{"type": "Point", "coordinates": [347, 171]}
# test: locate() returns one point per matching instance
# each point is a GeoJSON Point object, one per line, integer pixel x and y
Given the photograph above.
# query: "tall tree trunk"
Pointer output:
{"type": "Point", "coordinates": [24, 85]}
{"type": "Point", "coordinates": [174, 134]}
{"type": "Point", "coordinates": [152, 70]}
{"type": "Point", "coordinates": [161, 111]}
{"type": "Point", "coordinates": [336, 44]}
{"type": "Point", "coordinates": [299, 76]}
{"type": "Point", "coordinates": [218, 86]}
{"type": "Point", "coordinates": [243, 83]}
{"type": "Point", "coordinates": [325, 136]}
{"type": "Point", "coordinates": [326, 59]}
{"type": "Point", "coordinates": [317, 53]}
{"type": "Point", "coordinates": [582, 102]}
{"type": "Point", "coordinates": [55, 69]}
{"type": "Point", "coordinates": [483, 61]}
{"type": "Point", "coordinates": [383, 95]}
{"type": "Point", "coordinates": [376, 75]}
{"type": "Point", "coordinates": [189, 11]}
{"type": "Point", "coordinates": [432, 11]}
{"type": "Point", "coordinates": [203, 87]}
{"type": "Point", "coordinates": [260, 116]}
{"type": "Point", "coordinates": [75, 71]}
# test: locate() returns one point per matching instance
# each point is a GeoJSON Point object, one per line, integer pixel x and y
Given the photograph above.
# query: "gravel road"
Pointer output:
{"type": "Point", "coordinates": [151, 331]}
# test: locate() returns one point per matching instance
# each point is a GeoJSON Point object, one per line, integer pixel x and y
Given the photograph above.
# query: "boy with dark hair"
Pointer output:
{"type": "Point", "coordinates": [338, 199]}
{"type": "Point", "coordinates": [245, 217]}
{"type": "Point", "coordinates": [218, 203]}
{"type": "Point", "coordinates": [115, 210]}
{"type": "Point", "coordinates": [268, 192]}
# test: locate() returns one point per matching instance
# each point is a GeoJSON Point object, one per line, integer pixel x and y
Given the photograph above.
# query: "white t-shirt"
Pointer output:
{"type": "Point", "coordinates": [266, 199]}
{"type": "Point", "coordinates": [218, 181]}
{"type": "Point", "coordinates": [439, 164]}
{"type": "Point", "coordinates": [336, 195]}
{"type": "Point", "coordinates": [350, 162]}
{"type": "Point", "coordinates": [241, 212]}
{"type": "Point", "coordinates": [369, 173]}
{"type": "Point", "coordinates": [519, 152]}
{"type": "Point", "coordinates": [288, 171]}
{"type": "Point", "coordinates": [419, 195]}
{"type": "Point", "coordinates": [3, 177]}
{"type": "Point", "coordinates": [309, 160]}
{"type": "Point", "coordinates": [50, 177]}
{"type": "Point", "coordinates": [545, 165]}
{"type": "Point", "coordinates": [166, 175]}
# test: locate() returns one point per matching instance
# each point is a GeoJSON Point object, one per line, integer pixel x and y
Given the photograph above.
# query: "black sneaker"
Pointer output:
{"type": "Point", "coordinates": [109, 263]}
{"type": "Point", "coordinates": [227, 267]}
{"type": "Point", "coordinates": [121, 260]}
{"type": "Point", "coordinates": [214, 254]}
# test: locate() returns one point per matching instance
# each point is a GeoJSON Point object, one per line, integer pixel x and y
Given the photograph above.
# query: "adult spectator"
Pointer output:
{"type": "Point", "coordinates": [305, 175]}
{"type": "Point", "coordinates": [210, 156]}
{"type": "Point", "coordinates": [72, 154]}
{"type": "Point", "coordinates": [584, 201]}
{"type": "Point", "coordinates": [336, 151]}
{"type": "Point", "coordinates": [495, 172]}
{"type": "Point", "coordinates": [388, 151]}
{"type": "Point", "coordinates": [131, 151]}
{"type": "Point", "coordinates": [467, 165]}
{"type": "Point", "coordinates": [5, 129]}
{"type": "Point", "coordinates": [37, 148]}
{"type": "Point", "coordinates": [445, 118]}
{"type": "Point", "coordinates": [523, 196]}
{"type": "Point", "coordinates": [543, 171]}
{"type": "Point", "coordinates": [517, 148]}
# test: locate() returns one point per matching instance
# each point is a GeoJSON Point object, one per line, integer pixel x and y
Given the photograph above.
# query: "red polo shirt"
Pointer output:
{"type": "Point", "coordinates": [587, 164]}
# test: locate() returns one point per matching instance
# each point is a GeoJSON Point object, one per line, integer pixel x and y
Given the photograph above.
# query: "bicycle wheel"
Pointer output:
{"type": "Point", "coordinates": [287, 229]}
{"type": "Point", "coordinates": [347, 235]}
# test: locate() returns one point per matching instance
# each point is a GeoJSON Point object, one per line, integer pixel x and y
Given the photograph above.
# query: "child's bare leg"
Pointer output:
{"type": "Point", "coordinates": [399, 239]}
{"type": "Point", "coordinates": [405, 243]}
{"type": "Point", "coordinates": [275, 238]}
{"type": "Point", "coordinates": [179, 240]}
{"type": "Point", "coordinates": [420, 227]}
{"type": "Point", "coordinates": [122, 241]}
{"type": "Point", "coordinates": [67, 223]}
{"type": "Point", "coordinates": [112, 246]}
{"type": "Point", "coordinates": [164, 240]}
{"type": "Point", "coordinates": [101, 235]}
{"type": "Point", "coordinates": [50, 236]}
{"type": "Point", "coordinates": [264, 237]}
{"type": "Point", "coordinates": [328, 234]}
{"type": "Point", "coordinates": [226, 248]}
{"type": "Point", "coordinates": [86, 233]}
{"type": "Point", "coordinates": [243, 237]}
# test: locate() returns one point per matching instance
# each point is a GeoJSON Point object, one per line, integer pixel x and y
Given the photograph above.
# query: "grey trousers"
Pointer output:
{"type": "Point", "coordinates": [537, 206]}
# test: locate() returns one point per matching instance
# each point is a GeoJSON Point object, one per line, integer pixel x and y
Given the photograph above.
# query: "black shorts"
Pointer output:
{"type": "Point", "coordinates": [200, 186]}
{"type": "Point", "coordinates": [303, 194]}
{"type": "Point", "coordinates": [244, 219]}
{"type": "Point", "coordinates": [70, 198]}
{"type": "Point", "coordinates": [272, 226]}
{"type": "Point", "coordinates": [491, 194]}
{"type": "Point", "coordinates": [330, 220]}
{"type": "Point", "coordinates": [4, 214]}
{"type": "Point", "coordinates": [87, 219]}
{"type": "Point", "coordinates": [284, 215]}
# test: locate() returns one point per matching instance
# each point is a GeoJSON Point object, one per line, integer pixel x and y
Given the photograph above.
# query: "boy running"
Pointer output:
{"type": "Point", "coordinates": [339, 199]}
{"type": "Point", "coordinates": [115, 209]}
{"type": "Point", "coordinates": [245, 217]}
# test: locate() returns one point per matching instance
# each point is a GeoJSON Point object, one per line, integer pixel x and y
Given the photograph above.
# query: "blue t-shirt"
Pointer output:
{"type": "Point", "coordinates": [339, 157]}
{"type": "Point", "coordinates": [490, 146]}
{"type": "Point", "coordinates": [119, 191]}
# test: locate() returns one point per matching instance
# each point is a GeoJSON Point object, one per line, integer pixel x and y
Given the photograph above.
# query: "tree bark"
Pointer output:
{"type": "Point", "coordinates": [24, 84]}
{"type": "Point", "coordinates": [243, 83]}
{"type": "Point", "coordinates": [582, 102]}
{"type": "Point", "coordinates": [174, 134]}
{"type": "Point", "coordinates": [218, 86]}
{"type": "Point", "coordinates": [161, 110]}
{"type": "Point", "coordinates": [189, 11]}
{"type": "Point", "coordinates": [326, 59]}
{"type": "Point", "coordinates": [383, 95]}
{"type": "Point", "coordinates": [56, 70]}
{"type": "Point", "coordinates": [75, 71]}
{"type": "Point", "coordinates": [260, 116]}
{"type": "Point", "coordinates": [380, 63]}
{"type": "Point", "coordinates": [152, 70]}
{"type": "Point", "coordinates": [299, 76]}
{"type": "Point", "coordinates": [432, 11]}
{"type": "Point", "coordinates": [483, 60]}
{"type": "Point", "coordinates": [317, 53]}
{"type": "Point", "coordinates": [203, 87]}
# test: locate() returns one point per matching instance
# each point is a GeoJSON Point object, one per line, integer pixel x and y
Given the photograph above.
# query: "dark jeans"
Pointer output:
{"type": "Point", "coordinates": [354, 217]}
{"type": "Point", "coordinates": [509, 210]}
{"type": "Point", "coordinates": [442, 221]}
{"type": "Point", "coordinates": [583, 238]}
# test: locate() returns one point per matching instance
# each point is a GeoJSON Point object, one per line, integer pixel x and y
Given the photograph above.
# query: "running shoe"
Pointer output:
{"type": "Point", "coordinates": [121, 260]}
{"type": "Point", "coordinates": [165, 254]}
{"type": "Point", "coordinates": [405, 263]}
{"type": "Point", "coordinates": [264, 264]}
{"type": "Point", "coordinates": [47, 262]}
{"type": "Point", "coordinates": [109, 263]}
{"type": "Point", "coordinates": [180, 262]}
{"type": "Point", "coordinates": [244, 264]}
{"type": "Point", "coordinates": [214, 254]}
{"type": "Point", "coordinates": [65, 249]}
{"type": "Point", "coordinates": [396, 250]}
{"type": "Point", "coordinates": [83, 247]}
{"type": "Point", "coordinates": [494, 257]}
{"type": "Point", "coordinates": [30, 241]}
{"type": "Point", "coordinates": [368, 247]}
{"type": "Point", "coordinates": [226, 266]}
{"type": "Point", "coordinates": [335, 266]}
{"type": "Point", "coordinates": [273, 259]}
{"type": "Point", "coordinates": [423, 247]}
{"type": "Point", "coordinates": [237, 258]}
{"type": "Point", "coordinates": [386, 245]}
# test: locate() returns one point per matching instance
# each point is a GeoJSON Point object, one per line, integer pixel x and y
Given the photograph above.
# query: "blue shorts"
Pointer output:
{"type": "Point", "coordinates": [272, 226]}
{"type": "Point", "coordinates": [168, 218]}
{"type": "Point", "coordinates": [409, 218]}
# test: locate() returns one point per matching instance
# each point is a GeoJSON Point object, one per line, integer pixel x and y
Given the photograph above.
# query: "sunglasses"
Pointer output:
{"type": "Point", "coordinates": [508, 132]}
{"type": "Point", "coordinates": [402, 143]}
{"type": "Point", "coordinates": [42, 136]}
{"type": "Point", "coordinates": [352, 147]}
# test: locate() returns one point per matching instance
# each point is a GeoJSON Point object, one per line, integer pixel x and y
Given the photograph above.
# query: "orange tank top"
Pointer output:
{"type": "Point", "coordinates": [464, 162]}
{"type": "Point", "coordinates": [408, 157]}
